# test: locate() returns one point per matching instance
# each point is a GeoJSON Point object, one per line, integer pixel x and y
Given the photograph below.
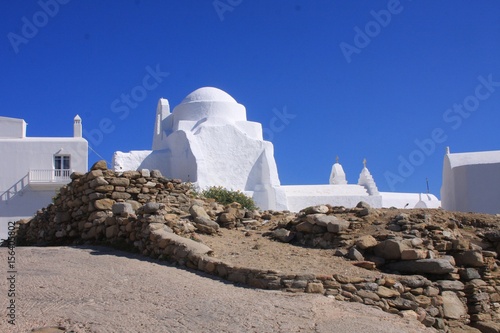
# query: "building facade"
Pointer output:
{"type": "Point", "coordinates": [208, 140]}
{"type": "Point", "coordinates": [33, 168]}
{"type": "Point", "coordinates": [471, 182]}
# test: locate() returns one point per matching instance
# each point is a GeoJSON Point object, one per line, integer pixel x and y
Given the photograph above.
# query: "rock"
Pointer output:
{"type": "Point", "coordinates": [453, 308]}
{"type": "Point", "coordinates": [413, 254]}
{"type": "Point", "coordinates": [122, 208]}
{"type": "Point", "coordinates": [198, 211]}
{"type": "Point", "coordinates": [206, 225]}
{"type": "Point", "coordinates": [340, 252]}
{"type": "Point", "coordinates": [450, 285]}
{"type": "Point", "coordinates": [468, 274]}
{"type": "Point", "coordinates": [385, 292]}
{"type": "Point", "coordinates": [416, 242]}
{"type": "Point", "coordinates": [354, 254]}
{"type": "Point", "coordinates": [362, 209]}
{"type": "Point", "coordinates": [315, 288]}
{"type": "Point", "coordinates": [227, 217]}
{"type": "Point", "coordinates": [422, 266]}
{"type": "Point", "coordinates": [460, 244]}
{"type": "Point", "coordinates": [414, 281]}
{"type": "Point", "coordinates": [104, 204]}
{"type": "Point", "coordinates": [112, 231]}
{"type": "Point", "coordinates": [99, 165]}
{"type": "Point", "coordinates": [282, 235]}
{"type": "Point", "coordinates": [366, 242]}
{"type": "Point", "coordinates": [156, 174]}
{"type": "Point", "coordinates": [370, 265]}
{"type": "Point", "coordinates": [120, 195]}
{"type": "Point", "coordinates": [151, 207]}
{"type": "Point", "coordinates": [493, 236]}
{"type": "Point", "coordinates": [469, 259]}
{"type": "Point", "coordinates": [368, 294]}
{"type": "Point", "coordinates": [145, 173]}
{"type": "Point", "coordinates": [403, 304]}
{"type": "Point", "coordinates": [191, 247]}
{"type": "Point", "coordinates": [487, 326]}
{"type": "Point", "coordinates": [320, 209]}
{"type": "Point", "coordinates": [120, 181]}
{"type": "Point", "coordinates": [305, 227]}
{"type": "Point", "coordinates": [390, 249]}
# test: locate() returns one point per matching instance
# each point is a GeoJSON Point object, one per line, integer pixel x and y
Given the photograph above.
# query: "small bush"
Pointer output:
{"type": "Point", "coordinates": [225, 197]}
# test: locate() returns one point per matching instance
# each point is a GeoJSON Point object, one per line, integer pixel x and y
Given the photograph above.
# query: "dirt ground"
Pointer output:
{"type": "Point", "coordinates": [99, 289]}
{"type": "Point", "coordinates": [250, 249]}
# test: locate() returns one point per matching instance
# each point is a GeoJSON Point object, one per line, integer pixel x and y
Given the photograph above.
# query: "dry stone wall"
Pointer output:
{"type": "Point", "coordinates": [142, 211]}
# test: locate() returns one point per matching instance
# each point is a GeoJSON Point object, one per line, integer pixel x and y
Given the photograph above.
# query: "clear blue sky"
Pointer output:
{"type": "Point", "coordinates": [361, 79]}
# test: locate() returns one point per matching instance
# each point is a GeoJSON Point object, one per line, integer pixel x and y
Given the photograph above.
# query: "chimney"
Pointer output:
{"type": "Point", "coordinates": [77, 127]}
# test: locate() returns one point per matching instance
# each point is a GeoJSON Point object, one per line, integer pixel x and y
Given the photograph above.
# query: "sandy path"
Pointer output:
{"type": "Point", "coordinates": [96, 289]}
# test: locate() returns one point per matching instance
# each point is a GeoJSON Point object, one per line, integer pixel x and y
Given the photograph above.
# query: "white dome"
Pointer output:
{"type": "Point", "coordinates": [208, 94]}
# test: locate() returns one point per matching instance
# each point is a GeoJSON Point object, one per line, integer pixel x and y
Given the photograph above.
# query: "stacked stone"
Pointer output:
{"type": "Point", "coordinates": [83, 208]}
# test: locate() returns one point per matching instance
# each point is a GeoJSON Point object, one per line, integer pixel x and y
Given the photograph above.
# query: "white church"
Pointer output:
{"type": "Point", "coordinates": [207, 140]}
{"type": "Point", "coordinates": [33, 168]}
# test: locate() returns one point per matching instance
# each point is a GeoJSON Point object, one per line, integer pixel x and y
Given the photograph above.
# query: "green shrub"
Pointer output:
{"type": "Point", "coordinates": [225, 197]}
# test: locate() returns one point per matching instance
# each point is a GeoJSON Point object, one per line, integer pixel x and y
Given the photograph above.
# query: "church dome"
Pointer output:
{"type": "Point", "coordinates": [208, 94]}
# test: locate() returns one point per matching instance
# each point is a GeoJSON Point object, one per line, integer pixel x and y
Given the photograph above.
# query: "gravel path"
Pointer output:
{"type": "Point", "coordinates": [97, 289]}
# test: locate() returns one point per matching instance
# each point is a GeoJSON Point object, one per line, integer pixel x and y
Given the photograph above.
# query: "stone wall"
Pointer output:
{"type": "Point", "coordinates": [158, 217]}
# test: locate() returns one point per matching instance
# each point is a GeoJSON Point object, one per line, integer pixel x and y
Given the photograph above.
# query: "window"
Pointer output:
{"type": "Point", "coordinates": [61, 165]}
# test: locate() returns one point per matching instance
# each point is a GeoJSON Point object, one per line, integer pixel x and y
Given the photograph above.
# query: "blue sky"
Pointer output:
{"type": "Point", "coordinates": [394, 82]}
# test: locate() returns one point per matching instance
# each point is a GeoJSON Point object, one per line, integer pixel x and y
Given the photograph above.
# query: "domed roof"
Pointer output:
{"type": "Point", "coordinates": [208, 94]}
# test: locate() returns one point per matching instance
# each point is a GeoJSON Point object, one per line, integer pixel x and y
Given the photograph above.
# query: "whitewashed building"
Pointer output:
{"type": "Point", "coordinates": [33, 168]}
{"type": "Point", "coordinates": [208, 140]}
{"type": "Point", "coordinates": [471, 182]}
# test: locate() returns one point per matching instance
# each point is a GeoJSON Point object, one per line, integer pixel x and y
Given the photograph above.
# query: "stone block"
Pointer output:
{"type": "Point", "coordinates": [453, 308]}
{"type": "Point", "coordinates": [413, 254]}
{"type": "Point", "coordinates": [390, 249]}
{"type": "Point", "coordinates": [104, 204]}
{"type": "Point", "coordinates": [470, 259]}
{"type": "Point", "coordinates": [422, 266]}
